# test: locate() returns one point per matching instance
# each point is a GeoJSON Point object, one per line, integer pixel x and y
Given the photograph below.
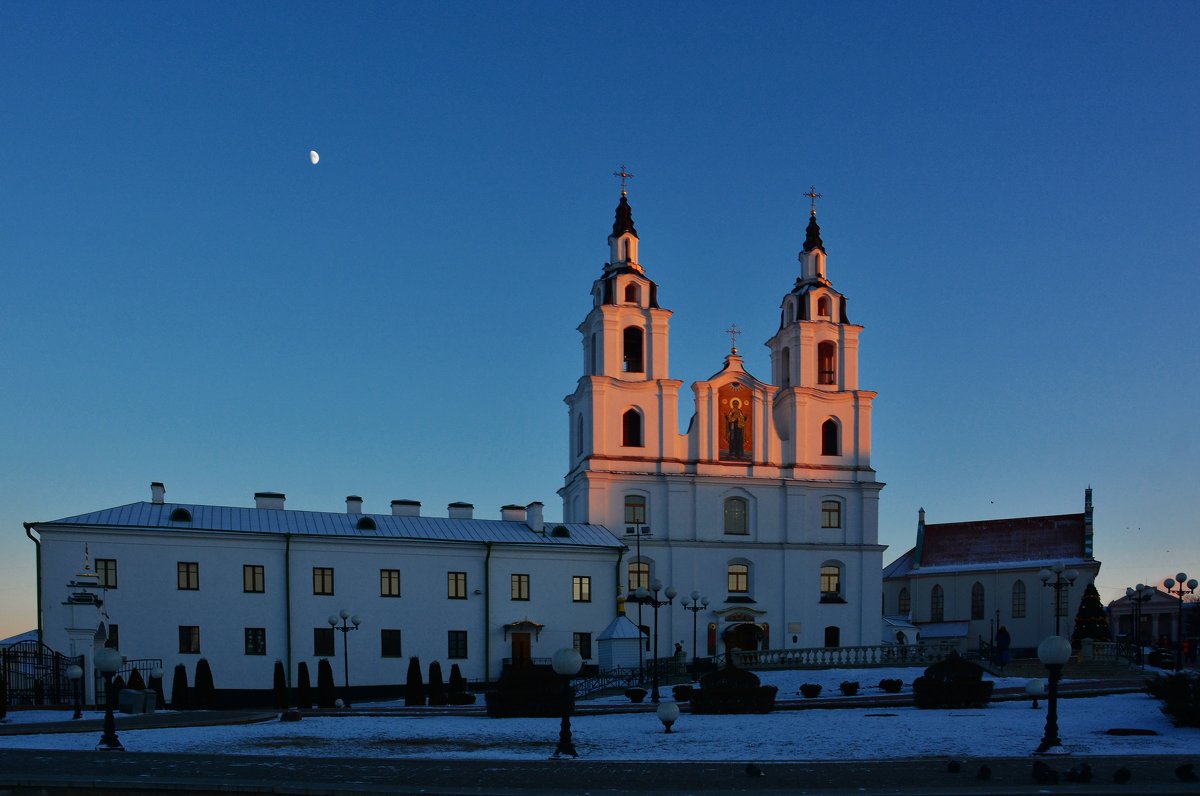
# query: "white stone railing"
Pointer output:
{"type": "Point", "coordinates": [848, 657]}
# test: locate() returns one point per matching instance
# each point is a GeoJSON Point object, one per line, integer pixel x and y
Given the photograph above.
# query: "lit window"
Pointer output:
{"type": "Point", "coordinates": [831, 514]}
{"type": "Point", "coordinates": [639, 576]}
{"type": "Point", "coordinates": [831, 583]}
{"type": "Point", "coordinates": [106, 570]}
{"type": "Point", "coordinates": [389, 583]}
{"type": "Point", "coordinates": [253, 579]}
{"type": "Point", "coordinates": [581, 589]}
{"type": "Point", "coordinates": [739, 579]}
{"type": "Point", "coordinates": [456, 585]}
{"type": "Point", "coordinates": [188, 575]}
{"type": "Point", "coordinates": [635, 510]}
{"type": "Point", "coordinates": [520, 587]}
{"type": "Point", "coordinates": [323, 580]}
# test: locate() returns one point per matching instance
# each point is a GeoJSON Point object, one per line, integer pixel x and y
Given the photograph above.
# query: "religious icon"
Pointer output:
{"type": "Point", "coordinates": [736, 431]}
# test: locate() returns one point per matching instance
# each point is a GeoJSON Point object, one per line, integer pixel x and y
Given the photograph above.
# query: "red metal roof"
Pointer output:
{"type": "Point", "coordinates": [1016, 539]}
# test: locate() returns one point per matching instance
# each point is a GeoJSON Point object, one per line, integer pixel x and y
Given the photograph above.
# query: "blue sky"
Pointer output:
{"type": "Point", "coordinates": [1010, 205]}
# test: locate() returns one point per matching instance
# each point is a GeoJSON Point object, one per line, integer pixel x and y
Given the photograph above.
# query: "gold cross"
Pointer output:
{"type": "Point", "coordinates": [733, 332]}
{"type": "Point", "coordinates": [814, 196]}
{"type": "Point", "coordinates": [624, 175]}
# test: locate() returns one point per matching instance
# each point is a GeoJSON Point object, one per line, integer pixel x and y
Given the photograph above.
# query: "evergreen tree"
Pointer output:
{"type": "Point", "coordinates": [280, 687]}
{"type": "Point", "coordinates": [204, 693]}
{"type": "Point", "coordinates": [325, 696]}
{"type": "Point", "coordinates": [179, 688]}
{"type": "Point", "coordinates": [1091, 621]}
{"type": "Point", "coordinates": [303, 688]}
{"type": "Point", "coordinates": [458, 683]}
{"type": "Point", "coordinates": [414, 688]}
{"type": "Point", "coordinates": [135, 681]}
{"type": "Point", "coordinates": [437, 690]}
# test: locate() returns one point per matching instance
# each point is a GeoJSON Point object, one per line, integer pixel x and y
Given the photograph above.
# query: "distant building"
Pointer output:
{"type": "Point", "coordinates": [1159, 619]}
{"type": "Point", "coordinates": [962, 580]}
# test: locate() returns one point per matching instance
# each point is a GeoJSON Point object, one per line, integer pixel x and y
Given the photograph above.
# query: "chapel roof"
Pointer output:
{"type": "Point", "coordinates": [1018, 539]}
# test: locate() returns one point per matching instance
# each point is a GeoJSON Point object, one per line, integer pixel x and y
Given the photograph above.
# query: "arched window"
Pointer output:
{"type": "Point", "coordinates": [831, 583]}
{"type": "Point", "coordinates": [1018, 600]}
{"type": "Point", "coordinates": [829, 438]}
{"type": "Point", "coordinates": [639, 575]}
{"type": "Point", "coordinates": [905, 604]}
{"type": "Point", "coordinates": [937, 604]}
{"type": "Point", "coordinates": [785, 361]}
{"type": "Point", "coordinates": [791, 312]}
{"type": "Point", "coordinates": [738, 577]}
{"type": "Point", "coordinates": [366, 524]}
{"type": "Point", "coordinates": [736, 511]}
{"type": "Point", "coordinates": [593, 367]}
{"type": "Point", "coordinates": [635, 510]}
{"type": "Point", "coordinates": [977, 601]}
{"type": "Point", "coordinates": [827, 363]}
{"type": "Point", "coordinates": [831, 514]}
{"type": "Point", "coordinates": [579, 436]}
{"type": "Point", "coordinates": [181, 515]}
{"type": "Point", "coordinates": [823, 307]}
{"type": "Point", "coordinates": [631, 429]}
{"type": "Point", "coordinates": [631, 293]}
{"type": "Point", "coordinates": [633, 338]}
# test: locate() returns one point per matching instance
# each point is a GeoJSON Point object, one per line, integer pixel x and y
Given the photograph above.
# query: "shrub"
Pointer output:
{"type": "Point", "coordinates": [136, 682]}
{"type": "Point", "coordinates": [1180, 695]}
{"type": "Point", "coordinates": [279, 687]}
{"type": "Point", "coordinates": [303, 687]}
{"type": "Point", "coordinates": [682, 692]}
{"type": "Point", "coordinates": [204, 694]}
{"type": "Point", "coordinates": [414, 687]}
{"type": "Point", "coordinates": [636, 695]}
{"type": "Point", "coordinates": [118, 685]}
{"type": "Point", "coordinates": [437, 689]}
{"type": "Point", "coordinates": [325, 697]}
{"type": "Point", "coordinates": [849, 687]}
{"type": "Point", "coordinates": [952, 683]}
{"type": "Point", "coordinates": [810, 690]}
{"type": "Point", "coordinates": [179, 688]}
{"type": "Point", "coordinates": [891, 685]}
{"type": "Point", "coordinates": [459, 694]}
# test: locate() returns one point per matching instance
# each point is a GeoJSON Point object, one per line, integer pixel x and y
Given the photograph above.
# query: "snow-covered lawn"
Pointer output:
{"type": "Point", "coordinates": [1001, 729]}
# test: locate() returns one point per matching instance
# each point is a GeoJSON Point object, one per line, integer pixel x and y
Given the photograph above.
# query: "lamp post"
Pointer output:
{"type": "Point", "coordinates": [1053, 652]}
{"type": "Point", "coordinates": [75, 674]}
{"type": "Point", "coordinates": [696, 605]}
{"type": "Point", "coordinates": [1061, 580]}
{"type": "Point", "coordinates": [345, 628]}
{"type": "Point", "coordinates": [1136, 596]}
{"type": "Point", "coordinates": [637, 529]}
{"type": "Point", "coordinates": [566, 663]}
{"type": "Point", "coordinates": [1179, 591]}
{"type": "Point", "coordinates": [650, 597]}
{"type": "Point", "coordinates": [668, 714]}
{"type": "Point", "coordinates": [108, 661]}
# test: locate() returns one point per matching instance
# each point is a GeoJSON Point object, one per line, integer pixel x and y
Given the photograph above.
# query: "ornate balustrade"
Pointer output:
{"type": "Point", "coordinates": [841, 657]}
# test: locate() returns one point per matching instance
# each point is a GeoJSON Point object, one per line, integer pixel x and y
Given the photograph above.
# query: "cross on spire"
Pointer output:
{"type": "Point", "coordinates": [624, 175]}
{"type": "Point", "coordinates": [733, 333]}
{"type": "Point", "coordinates": [814, 196]}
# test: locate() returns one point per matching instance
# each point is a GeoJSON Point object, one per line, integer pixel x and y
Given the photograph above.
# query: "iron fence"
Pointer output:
{"type": "Point", "coordinates": [34, 674]}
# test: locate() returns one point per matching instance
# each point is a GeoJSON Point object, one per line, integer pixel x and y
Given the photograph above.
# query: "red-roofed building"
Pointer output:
{"type": "Point", "coordinates": [963, 580]}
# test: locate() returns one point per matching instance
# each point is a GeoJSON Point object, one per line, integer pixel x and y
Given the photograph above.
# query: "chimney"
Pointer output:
{"type": "Point", "coordinates": [512, 513]}
{"type": "Point", "coordinates": [353, 504]}
{"type": "Point", "coordinates": [406, 508]}
{"type": "Point", "coordinates": [461, 511]}
{"type": "Point", "coordinates": [533, 517]}
{"type": "Point", "coordinates": [269, 500]}
{"type": "Point", "coordinates": [158, 492]}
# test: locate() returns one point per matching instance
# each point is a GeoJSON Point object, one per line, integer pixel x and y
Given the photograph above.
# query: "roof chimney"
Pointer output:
{"type": "Point", "coordinates": [269, 500]}
{"type": "Point", "coordinates": [158, 492]}
{"type": "Point", "coordinates": [512, 513]}
{"type": "Point", "coordinates": [406, 508]}
{"type": "Point", "coordinates": [533, 517]}
{"type": "Point", "coordinates": [461, 511]}
{"type": "Point", "coordinates": [353, 504]}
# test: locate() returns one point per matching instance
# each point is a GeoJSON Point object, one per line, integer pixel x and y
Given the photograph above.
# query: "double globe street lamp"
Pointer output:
{"type": "Point", "coordinates": [1136, 595]}
{"type": "Point", "coordinates": [1175, 586]}
{"type": "Point", "coordinates": [650, 597]}
{"type": "Point", "coordinates": [1061, 580]}
{"type": "Point", "coordinates": [696, 605]}
{"type": "Point", "coordinates": [345, 628]}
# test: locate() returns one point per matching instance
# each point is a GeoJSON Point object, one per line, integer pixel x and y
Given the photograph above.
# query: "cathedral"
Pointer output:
{"type": "Point", "coordinates": [765, 508]}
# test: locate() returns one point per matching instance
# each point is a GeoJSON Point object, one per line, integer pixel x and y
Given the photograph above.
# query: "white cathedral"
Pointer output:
{"type": "Point", "coordinates": [767, 505]}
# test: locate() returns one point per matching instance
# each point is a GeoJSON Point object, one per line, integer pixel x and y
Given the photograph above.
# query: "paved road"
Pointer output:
{"type": "Point", "coordinates": [102, 774]}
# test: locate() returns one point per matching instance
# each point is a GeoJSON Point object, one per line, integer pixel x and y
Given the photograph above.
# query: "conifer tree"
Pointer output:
{"type": "Point", "coordinates": [1090, 620]}
{"type": "Point", "coordinates": [279, 686]}
{"type": "Point", "coordinates": [437, 690]}
{"type": "Point", "coordinates": [179, 688]}
{"type": "Point", "coordinates": [303, 687]}
{"type": "Point", "coordinates": [325, 697]}
{"type": "Point", "coordinates": [135, 680]}
{"type": "Point", "coordinates": [204, 693]}
{"type": "Point", "coordinates": [414, 688]}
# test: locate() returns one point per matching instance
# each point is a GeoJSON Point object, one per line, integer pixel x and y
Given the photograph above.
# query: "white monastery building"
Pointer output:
{"type": "Point", "coordinates": [766, 504]}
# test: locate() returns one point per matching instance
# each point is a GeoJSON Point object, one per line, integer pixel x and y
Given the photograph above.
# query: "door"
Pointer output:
{"type": "Point", "coordinates": [520, 650]}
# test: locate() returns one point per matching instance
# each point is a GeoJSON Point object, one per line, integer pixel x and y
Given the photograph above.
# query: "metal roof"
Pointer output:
{"type": "Point", "coordinates": [233, 519]}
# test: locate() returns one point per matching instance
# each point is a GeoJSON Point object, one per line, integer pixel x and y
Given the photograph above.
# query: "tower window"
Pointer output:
{"type": "Point", "coordinates": [631, 429]}
{"type": "Point", "coordinates": [633, 340]}
{"type": "Point", "coordinates": [827, 363]}
{"type": "Point", "coordinates": [735, 515]}
{"type": "Point", "coordinates": [635, 510]}
{"type": "Point", "coordinates": [631, 293]}
{"type": "Point", "coordinates": [829, 438]}
{"type": "Point", "coordinates": [831, 583]}
{"type": "Point", "coordinates": [738, 576]}
{"type": "Point", "coordinates": [831, 514]}
{"type": "Point", "coordinates": [785, 367]}
{"type": "Point", "coordinates": [823, 307]}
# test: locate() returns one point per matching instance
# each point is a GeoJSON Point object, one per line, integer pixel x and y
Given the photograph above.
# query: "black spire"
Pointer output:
{"type": "Point", "coordinates": [812, 235]}
{"type": "Point", "coordinates": [624, 222]}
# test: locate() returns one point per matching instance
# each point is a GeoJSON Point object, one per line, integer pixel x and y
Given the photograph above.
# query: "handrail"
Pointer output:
{"type": "Point", "coordinates": [842, 657]}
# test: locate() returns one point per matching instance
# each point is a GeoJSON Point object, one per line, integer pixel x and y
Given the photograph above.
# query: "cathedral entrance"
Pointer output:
{"type": "Point", "coordinates": [744, 636]}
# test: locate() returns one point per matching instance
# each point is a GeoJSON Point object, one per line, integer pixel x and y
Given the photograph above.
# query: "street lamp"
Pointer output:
{"type": "Point", "coordinates": [108, 661]}
{"type": "Point", "coordinates": [75, 674]}
{"type": "Point", "coordinates": [668, 714]}
{"type": "Point", "coordinates": [696, 605]}
{"type": "Point", "coordinates": [650, 597]}
{"type": "Point", "coordinates": [566, 663]}
{"type": "Point", "coordinates": [1062, 580]}
{"type": "Point", "coordinates": [1170, 583]}
{"type": "Point", "coordinates": [1053, 652]}
{"type": "Point", "coordinates": [1136, 596]}
{"type": "Point", "coordinates": [345, 628]}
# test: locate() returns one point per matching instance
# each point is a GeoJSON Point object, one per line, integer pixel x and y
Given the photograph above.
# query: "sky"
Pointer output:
{"type": "Point", "coordinates": [1002, 729]}
{"type": "Point", "coordinates": [1008, 202]}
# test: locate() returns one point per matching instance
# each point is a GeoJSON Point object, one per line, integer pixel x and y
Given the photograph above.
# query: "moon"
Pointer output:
{"type": "Point", "coordinates": [313, 156]}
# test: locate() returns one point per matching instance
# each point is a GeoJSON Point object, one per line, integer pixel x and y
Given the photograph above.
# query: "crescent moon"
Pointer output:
{"type": "Point", "coordinates": [313, 156]}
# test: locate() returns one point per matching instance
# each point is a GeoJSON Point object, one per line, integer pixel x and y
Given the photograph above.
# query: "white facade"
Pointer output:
{"type": "Point", "coordinates": [769, 484]}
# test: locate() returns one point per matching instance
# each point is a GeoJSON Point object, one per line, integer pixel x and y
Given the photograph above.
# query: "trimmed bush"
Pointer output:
{"type": "Point", "coordinates": [952, 683]}
{"type": "Point", "coordinates": [136, 682]}
{"type": "Point", "coordinates": [849, 687]}
{"type": "Point", "coordinates": [732, 690]}
{"type": "Point", "coordinates": [810, 690]}
{"type": "Point", "coordinates": [204, 693]}
{"type": "Point", "coordinates": [325, 697]}
{"type": "Point", "coordinates": [1180, 695]}
{"type": "Point", "coordinates": [304, 699]}
{"type": "Point", "coordinates": [459, 694]}
{"type": "Point", "coordinates": [437, 689]}
{"type": "Point", "coordinates": [118, 685]}
{"type": "Point", "coordinates": [279, 687]}
{"type": "Point", "coordinates": [682, 692]}
{"type": "Point", "coordinates": [179, 689]}
{"type": "Point", "coordinates": [636, 695]}
{"type": "Point", "coordinates": [891, 685]}
{"type": "Point", "coordinates": [529, 692]}
{"type": "Point", "coordinates": [414, 686]}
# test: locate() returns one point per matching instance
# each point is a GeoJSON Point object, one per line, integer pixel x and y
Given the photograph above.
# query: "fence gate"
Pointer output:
{"type": "Point", "coordinates": [36, 675]}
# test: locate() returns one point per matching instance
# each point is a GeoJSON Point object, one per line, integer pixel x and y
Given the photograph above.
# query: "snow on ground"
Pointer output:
{"type": "Point", "coordinates": [1003, 729]}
